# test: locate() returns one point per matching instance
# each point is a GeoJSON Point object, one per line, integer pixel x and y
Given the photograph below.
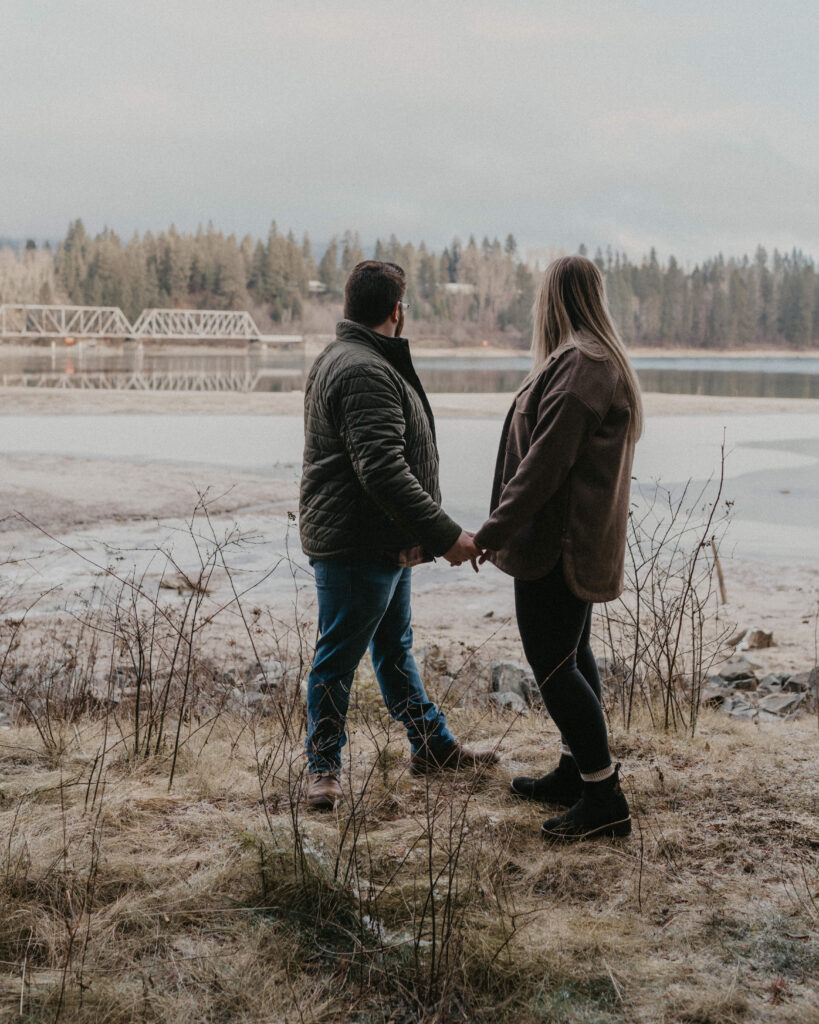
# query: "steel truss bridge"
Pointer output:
{"type": "Point", "coordinates": [109, 323]}
{"type": "Point", "coordinates": [63, 322]}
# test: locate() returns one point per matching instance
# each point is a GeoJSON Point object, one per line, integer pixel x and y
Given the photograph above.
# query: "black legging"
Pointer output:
{"type": "Point", "coordinates": [555, 626]}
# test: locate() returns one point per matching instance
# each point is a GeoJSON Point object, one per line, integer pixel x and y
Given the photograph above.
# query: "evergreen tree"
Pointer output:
{"type": "Point", "coordinates": [72, 262]}
{"type": "Point", "coordinates": [767, 299]}
{"type": "Point", "coordinates": [351, 252]}
{"type": "Point", "coordinates": [308, 258]}
{"type": "Point", "coordinates": [328, 269]}
{"type": "Point", "coordinates": [673, 290]}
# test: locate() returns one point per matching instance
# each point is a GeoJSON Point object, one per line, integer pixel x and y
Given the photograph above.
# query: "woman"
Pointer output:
{"type": "Point", "coordinates": [560, 504]}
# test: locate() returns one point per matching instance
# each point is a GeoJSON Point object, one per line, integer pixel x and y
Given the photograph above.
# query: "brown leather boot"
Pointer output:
{"type": "Point", "coordinates": [324, 790]}
{"type": "Point", "coordinates": [455, 758]}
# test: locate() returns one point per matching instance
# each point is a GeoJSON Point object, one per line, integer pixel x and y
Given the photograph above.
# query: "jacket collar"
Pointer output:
{"type": "Point", "coordinates": [537, 374]}
{"type": "Point", "coordinates": [395, 350]}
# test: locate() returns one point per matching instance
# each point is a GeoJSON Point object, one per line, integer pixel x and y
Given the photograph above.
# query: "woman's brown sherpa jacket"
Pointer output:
{"type": "Point", "coordinates": [563, 477]}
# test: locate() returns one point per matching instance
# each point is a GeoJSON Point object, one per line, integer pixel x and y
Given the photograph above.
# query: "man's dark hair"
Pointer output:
{"type": "Point", "coordinates": [372, 290]}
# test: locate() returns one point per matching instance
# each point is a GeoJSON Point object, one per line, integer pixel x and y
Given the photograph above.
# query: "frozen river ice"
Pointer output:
{"type": "Point", "coordinates": [771, 463]}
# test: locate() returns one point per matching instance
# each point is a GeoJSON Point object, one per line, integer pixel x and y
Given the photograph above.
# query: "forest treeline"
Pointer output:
{"type": "Point", "coordinates": [469, 290]}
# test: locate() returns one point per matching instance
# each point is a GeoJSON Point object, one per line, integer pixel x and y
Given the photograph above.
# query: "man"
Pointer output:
{"type": "Point", "coordinates": [370, 510]}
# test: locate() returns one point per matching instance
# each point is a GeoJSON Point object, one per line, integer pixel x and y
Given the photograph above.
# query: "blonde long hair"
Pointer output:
{"type": "Point", "coordinates": [571, 309]}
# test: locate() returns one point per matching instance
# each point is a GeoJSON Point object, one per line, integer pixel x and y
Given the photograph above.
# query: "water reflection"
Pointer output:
{"type": "Point", "coordinates": [755, 384]}
{"type": "Point", "coordinates": [274, 369]}
{"type": "Point", "coordinates": [740, 383]}
{"type": "Point", "coordinates": [763, 378]}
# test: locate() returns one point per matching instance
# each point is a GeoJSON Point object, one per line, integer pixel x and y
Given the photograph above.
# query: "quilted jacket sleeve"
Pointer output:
{"type": "Point", "coordinates": [371, 422]}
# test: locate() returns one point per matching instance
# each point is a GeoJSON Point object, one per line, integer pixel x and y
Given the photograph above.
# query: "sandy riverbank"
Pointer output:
{"type": "Point", "coordinates": [53, 401]}
{"type": "Point", "coordinates": [437, 347]}
{"type": "Point", "coordinates": [661, 352]}
{"type": "Point", "coordinates": [434, 347]}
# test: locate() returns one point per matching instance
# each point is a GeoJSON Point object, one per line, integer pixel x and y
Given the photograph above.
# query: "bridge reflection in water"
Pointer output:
{"type": "Point", "coordinates": [263, 380]}
{"type": "Point", "coordinates": [153, 368]}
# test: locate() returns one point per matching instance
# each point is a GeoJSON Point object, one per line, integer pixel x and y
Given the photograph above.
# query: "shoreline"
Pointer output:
{"type": "Point", "coordinates": [21, 401]}
{"type": "Point", "coordinates": [636, 352]}
{"type": "Point", "coordinates": [432, 347]}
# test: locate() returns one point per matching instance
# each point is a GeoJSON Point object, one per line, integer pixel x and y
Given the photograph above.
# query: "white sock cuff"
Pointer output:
{"type": "Point", "coordinates": [601, 776]}
{"type": "Point", "coordinates": [566, 750]}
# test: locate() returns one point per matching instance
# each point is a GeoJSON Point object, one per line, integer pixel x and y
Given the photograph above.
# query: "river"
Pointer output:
{"type": "Point", "coordinates": [275, 370]}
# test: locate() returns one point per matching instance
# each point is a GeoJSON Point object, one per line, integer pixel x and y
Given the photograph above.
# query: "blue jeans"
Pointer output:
{"type": "Point", "coordinates": [365, 602]}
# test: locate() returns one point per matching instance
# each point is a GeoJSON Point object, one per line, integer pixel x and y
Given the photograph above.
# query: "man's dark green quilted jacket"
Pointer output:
{"type": "Point", "coordinates": [370, 475]}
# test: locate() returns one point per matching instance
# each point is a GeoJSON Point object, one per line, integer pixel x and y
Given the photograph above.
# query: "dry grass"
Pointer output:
{"type": "Point", "coordinates": [418, 900]}
{"type": "Point", "coordinates": [157, 863]}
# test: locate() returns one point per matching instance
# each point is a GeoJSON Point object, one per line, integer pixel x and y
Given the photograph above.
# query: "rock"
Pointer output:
{"type": "Point", "coordinates": [744, 683]}
{"type": "Point", "coordinates": [180, 582]}
{"type": "Point", "coordinates": [512, 677]}
{"type": "Point", "coordinates": [737, 668]}
{"type": "Point", "coordinates": [766, 716]}
{"type": "Point", "coordinates": [265, 683]}
{"type": "Point", "coordinates": [249, 699]}
{"type": "Point", "coordinates": [755, 639]}
{"type": "Point", "coordinates": [511, 701]}
{"type": "Point", "coordinates": [772, 683]}
{"type": "Point", "coordinates": [102, 696]}
{"type": "Point", "coordinates": [712, 696]}
{"type": "Point", "coordinates": [802, 681]}
{"type": "Point", "coordinates": [740, 708]}
{"type": "Point", "coordinates": [782, 703]}
{"type": "Point", "coordinates": [430, 661]}
{"type": "Point", "coordinates": [736, 638]}
{"type": "Point", "coordinates": [611, 669]}
{"type": "Point", "coordinates": [615, 675]}
{"type": "Point", "coordinates": [271, 671]}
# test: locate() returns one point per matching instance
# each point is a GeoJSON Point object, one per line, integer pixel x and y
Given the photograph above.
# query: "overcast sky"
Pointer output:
{"type": "Point", "coordinates": [687, 125]}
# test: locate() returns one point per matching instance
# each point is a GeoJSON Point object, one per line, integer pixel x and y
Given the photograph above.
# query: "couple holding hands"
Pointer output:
{"type": "Point", "coordinates": [370, 509]}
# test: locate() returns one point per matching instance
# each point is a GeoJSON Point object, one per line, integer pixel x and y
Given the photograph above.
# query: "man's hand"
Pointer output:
{"type": "Point", "coordinates": [464, 550]}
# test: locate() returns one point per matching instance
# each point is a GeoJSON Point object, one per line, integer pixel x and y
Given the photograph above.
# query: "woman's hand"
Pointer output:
{"type": "Point", "coordinates": [464, 550]}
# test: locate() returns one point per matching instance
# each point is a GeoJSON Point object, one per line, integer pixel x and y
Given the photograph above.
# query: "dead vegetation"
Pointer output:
{"type": "Point", "coordinates": [156, 863]}
{"type": "Point", "coordinates": [220, 899]}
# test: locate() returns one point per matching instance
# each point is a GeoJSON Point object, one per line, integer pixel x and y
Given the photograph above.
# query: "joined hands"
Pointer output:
{"type": "Point", "coordinates": [466, 550]}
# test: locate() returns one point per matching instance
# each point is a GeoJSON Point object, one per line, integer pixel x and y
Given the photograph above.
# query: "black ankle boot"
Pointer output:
{"type": "Point", "coordinates": [602, 810]}
{"type": "Point", "coordinates": [563, 786]}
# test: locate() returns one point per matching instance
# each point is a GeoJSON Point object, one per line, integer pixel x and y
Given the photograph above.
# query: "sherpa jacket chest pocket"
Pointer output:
{"type": "Point", "coordinates": [527, 402]}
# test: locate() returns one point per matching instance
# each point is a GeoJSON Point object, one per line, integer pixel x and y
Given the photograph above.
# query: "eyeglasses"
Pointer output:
{"type": "Point", "coordinates": [404, 306]}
